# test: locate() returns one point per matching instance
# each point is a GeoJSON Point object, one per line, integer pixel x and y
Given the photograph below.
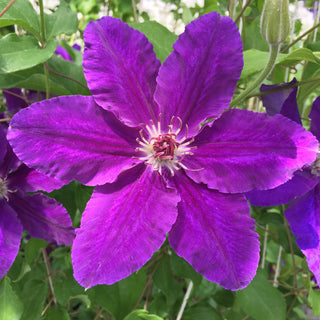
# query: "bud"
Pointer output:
{"type": "Point", "coordinates": [275, 21]}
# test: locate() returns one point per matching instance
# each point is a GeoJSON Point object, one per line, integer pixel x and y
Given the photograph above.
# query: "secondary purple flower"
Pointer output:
{"type": "Point", "coordinates": [42, 216]}
{"type": "Point", "coordinates": [303, 214]}
{"type": "Point", "coordinates": [139, 139]}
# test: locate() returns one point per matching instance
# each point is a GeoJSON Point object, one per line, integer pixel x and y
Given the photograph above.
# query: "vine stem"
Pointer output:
{"type": "Point", "coordinates": [49, 271]}
{"type": "Point", "coordinates": [300, 37]}
{"type": "Point", "coordinates": [185, 300]}
{"type": "Point", "coordinates": [7, 7]}
{"type": "Point", "coordinates": [43, 45]}
{"type": "Point", "coordinates": [242, 11]}
{"type": "Point", "coordinates": [273, 55]}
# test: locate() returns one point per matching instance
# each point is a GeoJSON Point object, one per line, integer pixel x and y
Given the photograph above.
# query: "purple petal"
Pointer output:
{"type": "Point", "coordinates": [198, 79]}
{"type": "Point", "coordinates": [301, 183]}
{"type": "Point", "coordinates": [30, 180]}
{"type": "Point", "coordinates": [244, 150]}
{"type": "Point", "coordinates": [281, 102]}
{"type": "Point", "coordinates": [8, 160]}
{"type": "Point", "coordinates": [72, 138]}
{"type": "Point", "coordinates": [4, 145]}
{"type": "Point", "coordinates": [43, 217]}
{"type": "Point", "coordinates": [63, 53]}
{"type": "Point", "coordinates": [303, 216]}
{"type": "Point", "coordinates": [315, 118]}
{"type": "Point", "coordinates": [123, 225]}
{"type": "Point", "coordinates": [15, 100]}
{"type": "Point", "coordinates": [121, 68]}
{"type": "Point", "coordinates": [215, 234]}
{"type": "Point", "coordinates": [10, 235]}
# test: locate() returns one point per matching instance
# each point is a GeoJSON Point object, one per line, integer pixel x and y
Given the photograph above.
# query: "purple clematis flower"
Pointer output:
{"type": "Point", "coordinates": [42, 216]}
{"type": "Point", "coordinates": [303, 214]}
{"type": "Point", "coordinates": [139, 139]}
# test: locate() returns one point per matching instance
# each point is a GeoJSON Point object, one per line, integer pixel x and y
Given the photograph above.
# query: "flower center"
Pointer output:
{"type": "Point", "coordinates": [315, 166]}
{"type": "Point", "coordinates": [3, 188]}
{"type": "Point", "coordinates": [163, 149]}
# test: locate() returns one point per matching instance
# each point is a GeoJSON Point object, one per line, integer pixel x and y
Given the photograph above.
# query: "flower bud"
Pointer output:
{"type": "Point", "coordinates": [275, 21]}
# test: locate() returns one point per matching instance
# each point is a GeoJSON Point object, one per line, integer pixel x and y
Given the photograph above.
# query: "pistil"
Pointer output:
{"type": "Point", "coordinates": [163, 149]}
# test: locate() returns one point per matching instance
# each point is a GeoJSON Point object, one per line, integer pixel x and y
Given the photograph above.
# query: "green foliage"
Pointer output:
{"type": "Point", "coordinates": [20, 53]}
{"type": "Point", "coordinates": [261, 300]}
{"type": "Point", "coordinates": [10, 306]}
{"type": "Point", "coordinates": [161, 38]}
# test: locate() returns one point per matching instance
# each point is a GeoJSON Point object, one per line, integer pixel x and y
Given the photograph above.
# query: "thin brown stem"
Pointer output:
{"type": "Point", "coordinates": [98, 314]}
{"type": "Point", "coordinates": [49, 273]}
{"type": "Point", "coordinates": [147, 284]}
{"type": "Point", "coordinates": [242, 11]}
{"type": "Point", "coordinates": [16, 95]}
{"type": "Point", "coordinates": [300, 37]}
{"type": "Point", "coordinates": [64, 76]}
{"type": "Point", "coordinates": [7, 7]}
{"type": "Point", "coordinates": [292, 252]}
{"type": "Point", "coordinates": [291, 306]}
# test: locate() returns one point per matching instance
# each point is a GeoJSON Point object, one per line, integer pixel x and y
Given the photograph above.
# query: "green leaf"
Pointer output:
{"type": "Point", "coordinates": [301, 54]}
{"type": "Point", "coordinates": [34, 79]}
{"type": "Point", "coordinates": [55, 313]}
{"type": "Point", "coordinates": [20, 53]}
{"type": "Point", "coordinates": [141, 314]}
{"type": "Point", "coordinates": [11, 307]}
{"type": "Point", "coordinates": [314, 300]}
{"type": "Point", "coordinates": [161, 38]}
{"type": "Point", "coordinates": [182, 269]}
{"type": "Point", "coordinates": [254, 61]}
{"type": "Point", "coordinates": [201, 312]}
{"type": "Point", "coordinates": [66, 287]}
{"type": "Point", "coordinates": [63, 20]}
{"type": "Point", "coordinates": [120, 298]}
{"type": "Point", "coordinates": [33, 296]}
{"type": "Point", "coordinates": [21, 13]}
{"type": "Point", "coordinates": [261, 300]}
{"type": "Point", "coordinates": [164, 280]}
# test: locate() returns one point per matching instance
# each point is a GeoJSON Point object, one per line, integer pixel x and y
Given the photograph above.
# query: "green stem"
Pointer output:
{"type": "Point", "coordinates": [43, 45]}
{"type": "Point", "coordinates": [42, 27]}
{"type": "Point", "coordinates": [273, 55]}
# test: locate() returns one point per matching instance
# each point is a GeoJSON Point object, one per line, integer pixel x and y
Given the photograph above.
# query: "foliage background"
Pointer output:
{"type": "Point", "coordinates": [40, 284]}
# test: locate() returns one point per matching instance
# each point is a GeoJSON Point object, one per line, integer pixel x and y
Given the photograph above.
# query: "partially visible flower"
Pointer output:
{"type": "Point", "coordinates": [303, 214]}
{"type": "Point", "coordinates": [42, 216]}
{"type": "Point", "coordinates": [139, 139]}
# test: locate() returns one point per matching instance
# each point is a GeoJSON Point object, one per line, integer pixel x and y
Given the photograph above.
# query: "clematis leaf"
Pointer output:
{"type": "Point", "coordinates": [122, 296]}
{"type": "Point", "coordinates": [63, 20]}
{"type": "Point", "coordinates": [34, 78]}
{"type": "Point", "coordinates": [261, 300]}
{"type": "Point", "coordinates": [22, 14]}
{"type": "Point", "coordinates": [141, 314]}
{"type": "Point", "coordinates": [161, 38]}
{"type": "Point", "coordinates": [20, 53]}
{"type": "Point", "coordinates": [11, 307]}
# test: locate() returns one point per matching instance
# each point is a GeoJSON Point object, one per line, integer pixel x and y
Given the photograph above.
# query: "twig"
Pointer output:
{"type": "Point", "coordinates": [7, 7]}
{"type": "Point", "coordinates": [64, 76]}
{"type": "Point", "coordinates": [242, 11]}
{"type": "Point", "coordinates": [49, 272]}
{"type": "Point", "coordinates": [185, 300]}
{"type": "Point", "coordinates": [276, 274]}
{"type": "Point", "coordinates": [134, 9]}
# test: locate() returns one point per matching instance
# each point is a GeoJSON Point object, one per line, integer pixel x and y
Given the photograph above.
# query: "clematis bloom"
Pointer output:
{"type": "Point", "coordinates": [138, 138]}
{"type": "Point", "coordinates": [303, 213]}
{"type": "Point", "coordinates": [42, 216]}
